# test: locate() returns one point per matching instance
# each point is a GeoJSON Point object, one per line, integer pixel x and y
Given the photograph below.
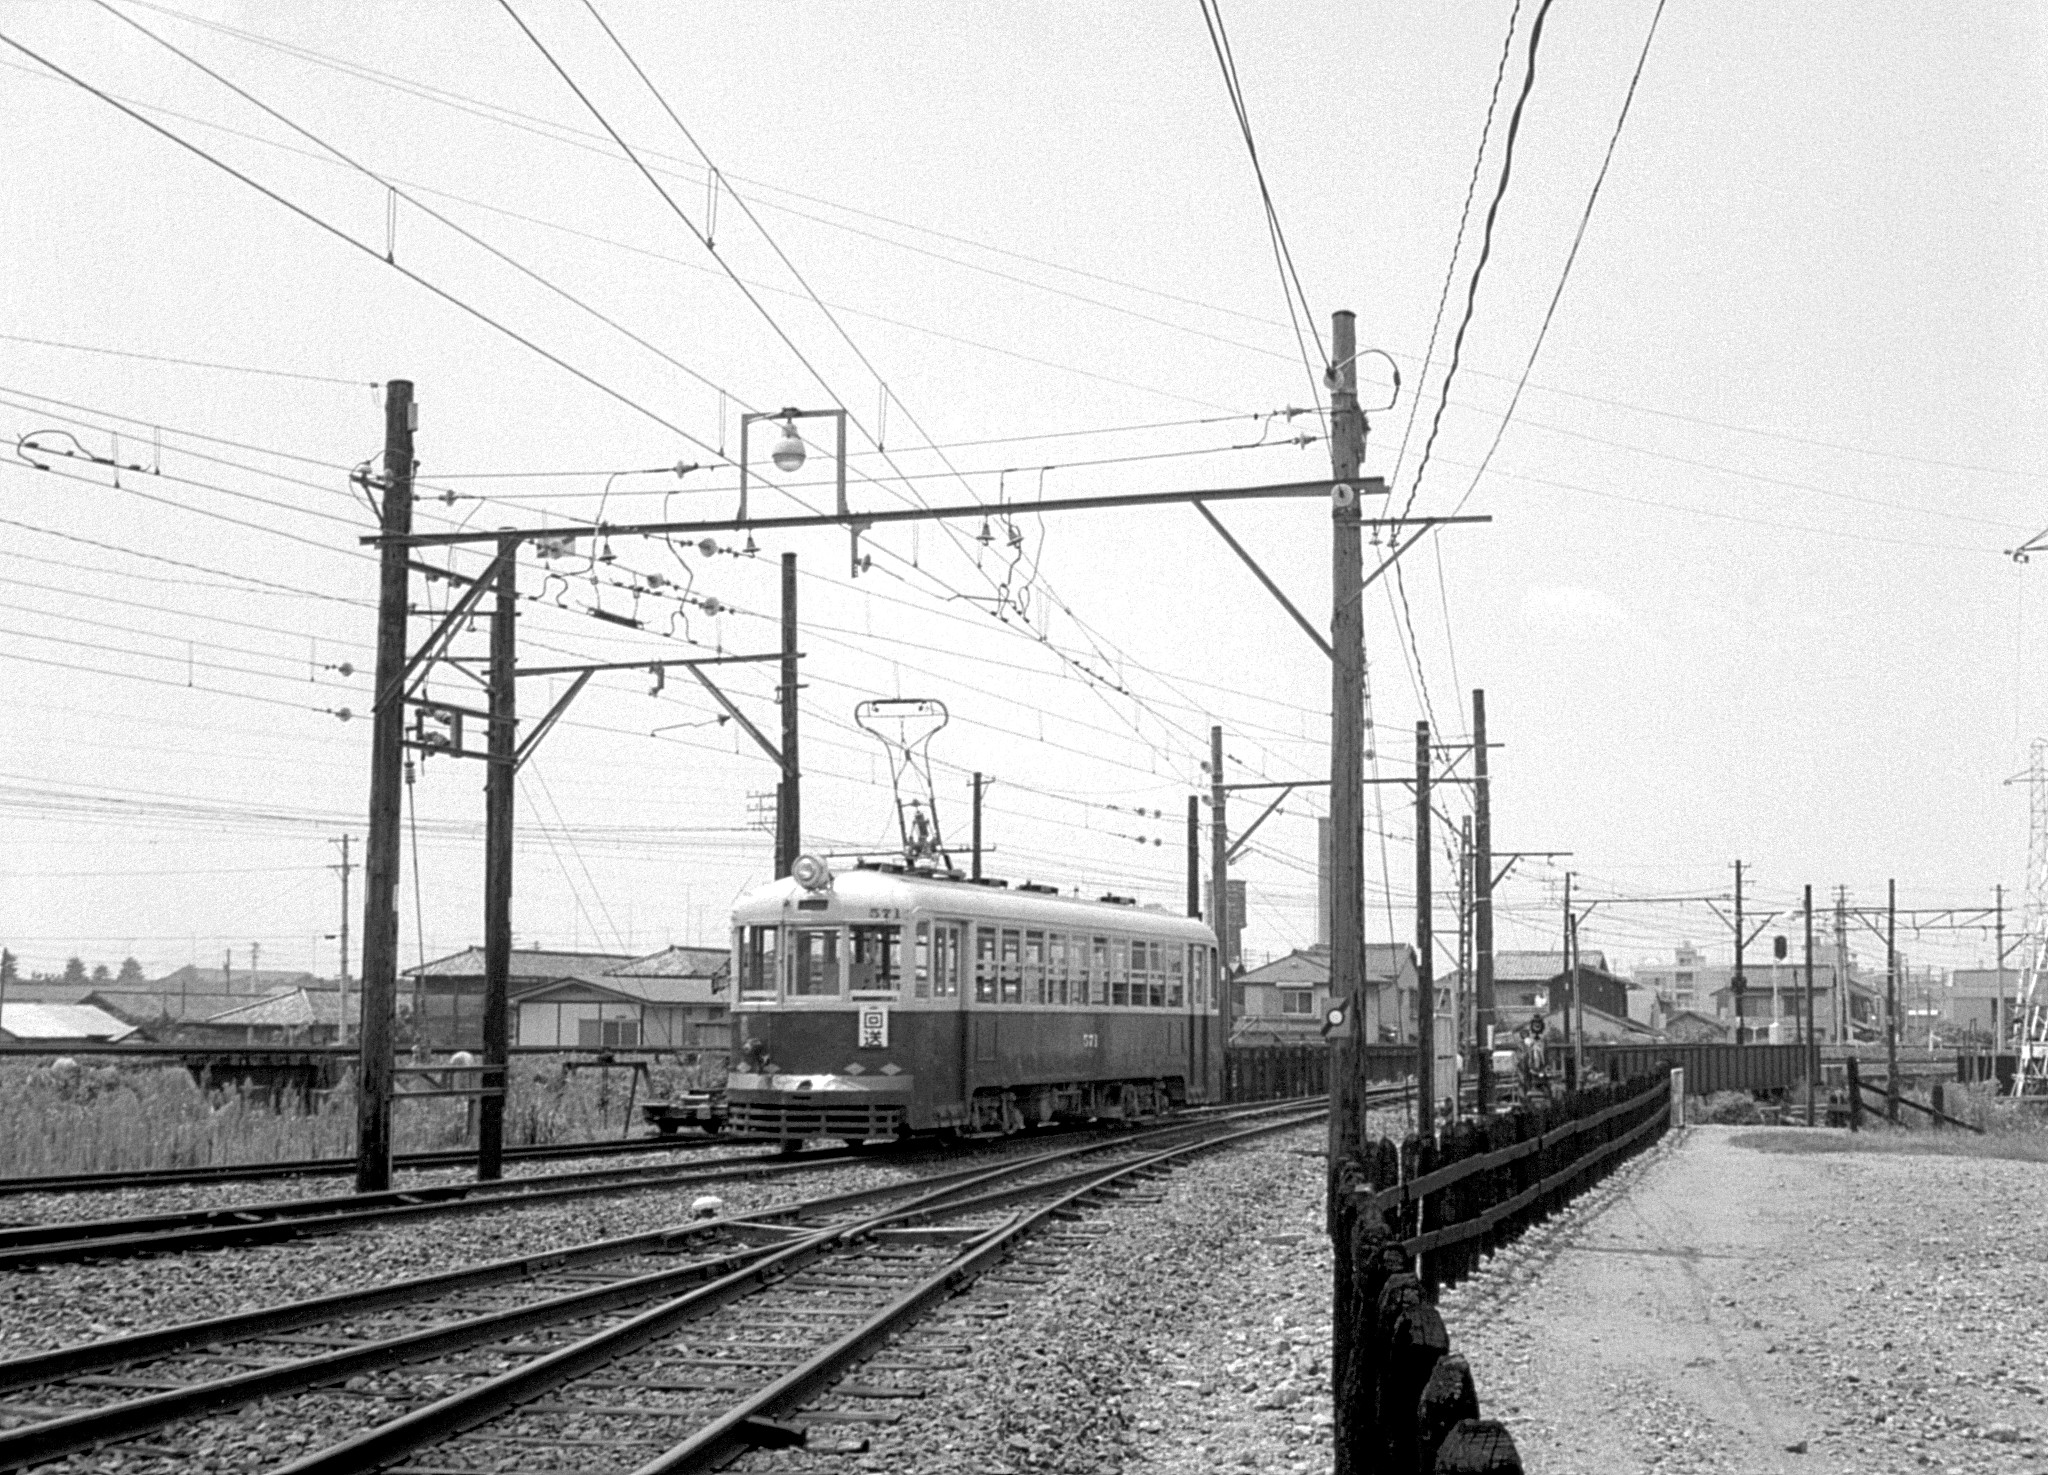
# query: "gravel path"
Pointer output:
{"type": "Point", "coordinates": [1750, 1301]}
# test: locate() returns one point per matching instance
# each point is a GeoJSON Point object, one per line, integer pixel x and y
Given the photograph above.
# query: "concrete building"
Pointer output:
{"type": "Point", "coordinates": [1775, 999]}
{"type": "Point", "coordinates": [1970, 1001]}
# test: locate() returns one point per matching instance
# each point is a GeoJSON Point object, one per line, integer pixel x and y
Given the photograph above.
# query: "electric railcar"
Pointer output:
{"type": "Point", "coordinates": [882, 1001]}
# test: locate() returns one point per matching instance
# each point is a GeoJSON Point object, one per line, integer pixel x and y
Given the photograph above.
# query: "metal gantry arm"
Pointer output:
{"type": "Point", "coordinates": [583, 673]}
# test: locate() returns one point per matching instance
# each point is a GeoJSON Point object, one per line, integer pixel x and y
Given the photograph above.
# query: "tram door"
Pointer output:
{"type": "Point", "coordinates": [1198, 1025]}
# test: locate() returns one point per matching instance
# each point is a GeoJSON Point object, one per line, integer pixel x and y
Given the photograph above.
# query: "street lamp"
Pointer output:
{"type": "Point", "coordinates": [789, 455]}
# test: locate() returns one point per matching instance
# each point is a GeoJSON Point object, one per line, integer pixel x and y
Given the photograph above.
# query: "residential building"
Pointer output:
{"type": "Point", "coordinates": [1688, 1027]}
{"type": "Point", "coordinates": [448, 993]}
{"type": "Point", "coordinates": [1776, 996]}
{"type": "Point", "coordinates": [675, 999]}
{"type": "Point", "coordinates": [1284, 1000]}
{"type": "Point", "coordinates": [295, 1016]}
{"type": "Point", "coordinates": [60, 1024]}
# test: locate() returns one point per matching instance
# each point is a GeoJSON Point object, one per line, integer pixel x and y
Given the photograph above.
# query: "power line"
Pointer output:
{"type": "Point", "coordinates": [1500, 189]}
{"type": "Point", "coordinates": [159, 358]}
{"type": "Point", "coordinates": [1283, 258]}
{"type": "Point", "coordinates": [341, 235]}
{"type": "Point", "coordinates": [1571, 256]}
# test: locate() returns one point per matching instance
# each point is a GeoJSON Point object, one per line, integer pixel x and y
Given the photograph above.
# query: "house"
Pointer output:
{"type": "Point", "coordinates": [254, 983]}
{"type": "Point", "coordinates": [1775, 992]}
{"type": "Point", "coordinates": [1970, 1000]}
{"type": "Point", "coordinates": [448, 993]}
{"type": "Point", "coordinates": [675, 999]}
{"type": "Point", "coordinates": [60, 1024]}
{"type": "Point", "coordinates": [1284, 1000]}
{"type": "Point", "coordinates": [298, 1016]}
{"type": "Point", "coordinates": [1524, 981]}
{"type": "Point", "coordinates": [671, 1000]}
{"type": "Point", "coordinates": [1601, 1026]}
{"type": "Point", "coordinates": [1689, 1027]}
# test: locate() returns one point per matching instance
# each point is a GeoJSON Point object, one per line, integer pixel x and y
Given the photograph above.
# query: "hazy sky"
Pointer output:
{"type": "Point", "coordinates": [1744, 593]}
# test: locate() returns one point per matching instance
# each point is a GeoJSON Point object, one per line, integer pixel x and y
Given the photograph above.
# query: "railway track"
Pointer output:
{"type": "Point", "coordinates": [25, 1246]}
{"type": "Point", "coordinates": [230, 1225]}
{"type": "Point", "coordinates": [324, 1167]}
{"type": "Point", "coordinates": [683, 1346]}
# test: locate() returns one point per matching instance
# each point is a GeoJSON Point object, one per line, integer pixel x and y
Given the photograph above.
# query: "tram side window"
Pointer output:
{"type": "Point", "coordinates": [1175, 959]}
{"type": "Point", "coordinates": [757, 962]}
{"type": "Point", "coordinates": [1009, 968]}
{"type": "Point", "coordinates": [1148, 987]}
{"type": "Point", "coordinates": [1034, 969]}
{"type": "Point", "coordinates": [921, 961]}
{"type": "Point", "coordinates": [1119, 971]}
{"type": "Point", "coordinates": [876, 963]}
{"type": "Point", "coordinates": [814, 957]}
{"type": "Point", "coordinates": [1198, 979]}
{"type": "Point", "coordinates": [1056, 967]}
{"type": "Point", "coordinates": [984, 965]}
{"type": "Point", "coordinates": [1098, 970]}
{"type": "Point", "coordinates": [946, 950]}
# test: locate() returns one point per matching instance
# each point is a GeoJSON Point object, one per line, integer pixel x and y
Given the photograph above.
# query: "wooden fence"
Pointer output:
{"type": "Point", "coordinates": [1271, 1072]}
{"type": "Point", "coordinates": [1412, 1217]}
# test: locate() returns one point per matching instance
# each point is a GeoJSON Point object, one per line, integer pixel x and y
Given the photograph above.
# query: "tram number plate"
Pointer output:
{"type": "Point", "coordinates": [1091, 1041]}
{"type": "Point", "coordinates": [874, 1027]}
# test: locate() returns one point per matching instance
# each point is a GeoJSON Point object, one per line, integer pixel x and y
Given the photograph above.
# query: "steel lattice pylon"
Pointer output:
{"type": "Point", "coordinates": [2031, 1079]}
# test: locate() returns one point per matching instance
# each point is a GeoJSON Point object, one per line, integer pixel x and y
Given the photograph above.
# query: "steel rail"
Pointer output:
{"type": "Point", "coordinates": [247, 1224]}
{"type": "Point", "coordinates": [89, 1428]}
{"type": "Point", "coordinates": [728, 1436]}
{"type": "Point", "coordinates": [464, 1410]}
{"type": "Point", "coordinates": [313, 1167]}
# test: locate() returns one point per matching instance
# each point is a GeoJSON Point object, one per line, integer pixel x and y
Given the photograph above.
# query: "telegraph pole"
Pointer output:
{"type": "Point", "coordinates": [1891, 1001]}
{"type": "Point", "coordinates": [1737, 984]}
{"type": "Point", "coordinates": [387, 757]}
{"type": "Point", "coordinates": [977, 827]}
{"type": "Point", "coordinates": [1998, 1007]}
{"type": "Point", "coordinates": [788, 795]}
{"type": "Point", "coordinates": [1194, 855]}
{"type": "Point", "coordinates": [1812, 1044]}
{"type": "Point", "coordinates": [1564, 1008]}
{"type": "Point", "coordinates": [341, 1032]}
{"type": "Point", "coordinates": [1425, 948]}
{"type": "Point", "coordinates": [1347, 701]}
{"type": "Point", "coordinates": [1219, 877]}
{"type": "Point", "coordinates": [1482, 905]}
{"type": "Point", "coordinates": [1462, 999]}
{"type": "Point", "coordinates": [499, 774]}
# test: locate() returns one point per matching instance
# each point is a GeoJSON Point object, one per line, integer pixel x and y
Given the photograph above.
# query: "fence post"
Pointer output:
{"type": "Point", "coordinates": [1855, 1096]}
{"type": "Point", "coordinates": [1677, 1095]}
{"type": "Point", "coordinates": [1939, 1105]}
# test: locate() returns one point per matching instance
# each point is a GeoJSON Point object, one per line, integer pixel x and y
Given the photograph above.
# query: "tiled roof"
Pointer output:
{"type": "Point", "coordinates": [294, 1009]}
{"type": "Point", "coordinates": [1542, 965]}
{"type": "Point", "coordinates": [1311, 965]}
{"type": "Point", "coordinates": [61, 1022]}
{"type": "Point", "coordinates": [677, 962]}
{"type": "Point", "coordinates": [526, 963]}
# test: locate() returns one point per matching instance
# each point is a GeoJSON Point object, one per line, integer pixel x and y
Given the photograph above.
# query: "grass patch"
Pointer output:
{"type": "Point", "coordinates": [2012, 1130]}
{"type": "Point", "coordinates": [87, 1116]}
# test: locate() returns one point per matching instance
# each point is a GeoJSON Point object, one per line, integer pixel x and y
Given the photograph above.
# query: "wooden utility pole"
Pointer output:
{"type": "Point", "coordinates": [1482, 905]}
{"type": "Point", "coordinates": [1347, 821]}
{"type": "Point", "coordinates": [1571, 977]}
{"type": "Point", "coordinates": [1891, 1001]}
{"type": "Point", "coordinates": [500, 770]}
{"type": "Point", "coordinates": [1461, 1000]}
{"type": "Point", "coordinates": [341, 1027]}
{"type": "Point", "coordinates": [1737, 984]}
{"type": "Point", "coordinates": [1812, 1044]}
{"type": "Point", "coordinates": [1425, 947]}
{"type": "Point", "coordinates": [1194, 855]}
{"type": "Point", "coordinates": [1347, 705]}
{"type": "Point", "coordinates": [1998, 1005]}
{"type": "Point", "coordinates": [387, 758]}
{"type": "Point", "coordinates": [1219, 880]}
{"type": "Point", "coordinates": [976, 873]}
{"type": "Point", "coordinates": [789, 793]}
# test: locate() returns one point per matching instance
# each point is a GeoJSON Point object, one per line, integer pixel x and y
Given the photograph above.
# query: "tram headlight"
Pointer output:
{"type": "Point", "coordinates": [811, 873]}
